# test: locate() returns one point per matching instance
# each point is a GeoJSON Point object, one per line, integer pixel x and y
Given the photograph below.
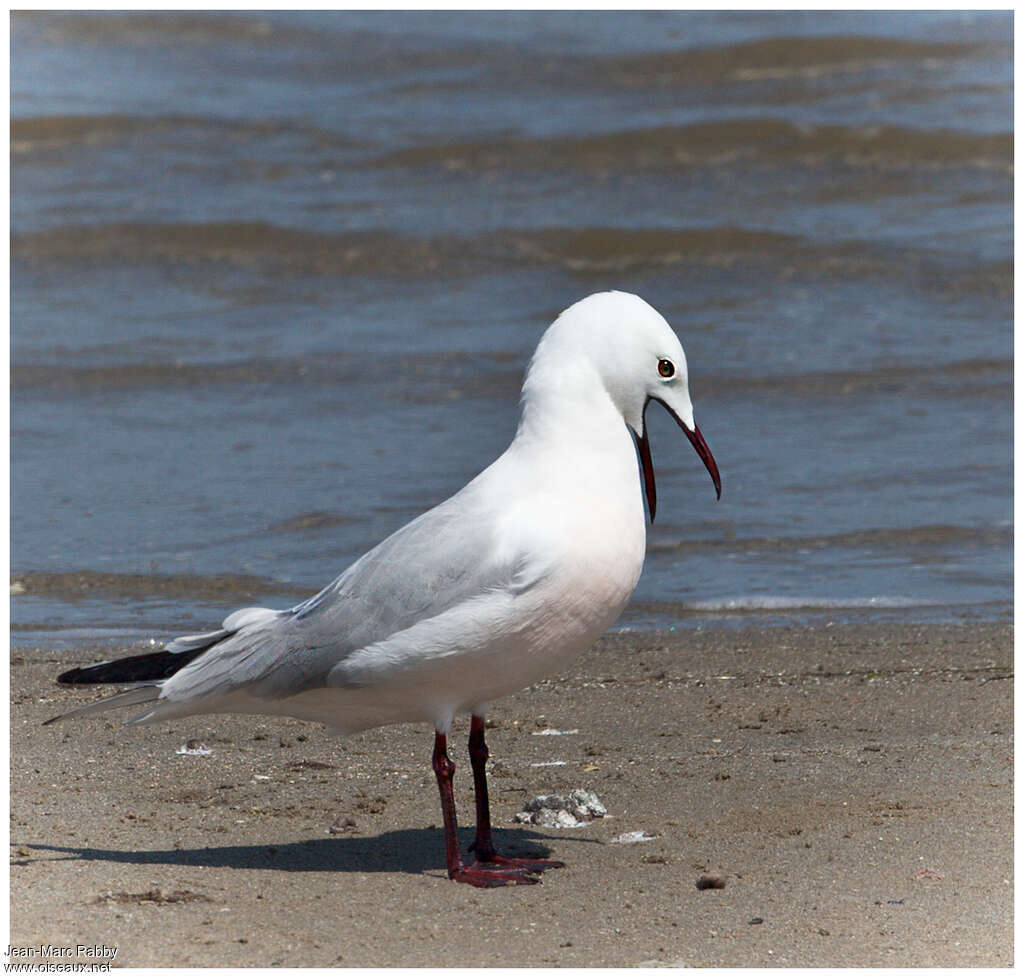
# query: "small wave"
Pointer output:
{"type": "Point", "coordinates": [731, 141]}
{"type": "Point", "coordinates": [79, 585]}
{"type": "Point", "coordinates": [32, 134]}
{"type": "Point", "coordinates": [596, 250]}
{"type": "Point", "coordinates": [994, 279]}
{"type": "Point", "coordinates": [159, 28]}
{"type": "Point", "coordinates": [246, 244]}
{"type": "Point", "coordinates": [777, 58]}
{"type": "Point", "coordinates": [899, 538]}
{"type": "Point", "coordinates": [428, 377]}
{"type": "Point", "coordinates": [262, 248]}
{"type": "Point", "coordinates": [419, 378]}
{"type": "Point", "coordinates": [310, 521]}
{"type": "Point", "coordinates": [257, 246]}
{"type": "Point", "coordinates": [754, 605]}
{"type": "Point", "coordinates": [750, 606]}
{"type": "Point", "coordinates": [767, 602]}
{"type": "Point", "coordinates": [962, 378]}
{"type": "Point", "coordinates": [332, 48]}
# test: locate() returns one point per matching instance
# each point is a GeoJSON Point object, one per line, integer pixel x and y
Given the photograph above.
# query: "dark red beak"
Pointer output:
{"type": "Point", "coordinates": [646, 463]}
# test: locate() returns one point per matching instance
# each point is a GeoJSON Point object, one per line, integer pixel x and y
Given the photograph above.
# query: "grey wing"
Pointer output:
{"type": "Point", "coordinates": [446, 556]}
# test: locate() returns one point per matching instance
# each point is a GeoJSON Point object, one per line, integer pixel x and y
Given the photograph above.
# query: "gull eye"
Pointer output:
{"type": "Point", "coordinates": [666, 368]}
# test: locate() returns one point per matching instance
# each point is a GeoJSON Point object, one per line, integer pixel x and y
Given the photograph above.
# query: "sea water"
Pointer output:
{"type": "Point", "coordinates": [276, 276]}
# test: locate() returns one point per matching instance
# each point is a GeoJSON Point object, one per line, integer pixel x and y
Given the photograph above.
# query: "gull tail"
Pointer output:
{"type": "Point", "coordinates": [149, 671]}
{"type": "Point", "coordinates": [150, 667]}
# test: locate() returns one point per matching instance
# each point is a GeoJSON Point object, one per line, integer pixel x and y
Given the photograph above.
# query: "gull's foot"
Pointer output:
{"type": "Point", "coordinates": [493, 874]}
{"type": "Point", "coordinates": [515, 862]}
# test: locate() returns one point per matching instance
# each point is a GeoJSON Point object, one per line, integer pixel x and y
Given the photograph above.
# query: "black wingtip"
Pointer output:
{"type": "Point", "coordinates": [146, 668]}
{"type": "Point", "coordinates": [75, 677]}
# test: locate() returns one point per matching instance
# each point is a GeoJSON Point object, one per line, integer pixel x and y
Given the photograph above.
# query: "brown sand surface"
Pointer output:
{"type": "Point", "coordinates": [852, 785]}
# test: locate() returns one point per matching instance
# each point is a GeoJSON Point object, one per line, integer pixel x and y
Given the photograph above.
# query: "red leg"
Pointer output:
{"type": "Point", "coordinates": [475, 875]}
{"type": "Point", "coordinates": [478, 754]}
{"type": "Point", "coordinates": [483, 845]}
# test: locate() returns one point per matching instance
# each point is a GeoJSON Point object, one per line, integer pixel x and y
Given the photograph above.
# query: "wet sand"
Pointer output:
{"type": "Point", "coordinates": [852, 785]}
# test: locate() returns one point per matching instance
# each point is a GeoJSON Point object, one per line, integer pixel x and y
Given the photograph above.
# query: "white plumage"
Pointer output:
{"type": "Point", "coordinates": [489, 591]}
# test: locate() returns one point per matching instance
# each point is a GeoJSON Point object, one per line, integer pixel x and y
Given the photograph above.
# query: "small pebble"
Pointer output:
{"type": "Point", "coordinates": [756, 920]}
{"type": "Point", "coordinates": [710, 881]}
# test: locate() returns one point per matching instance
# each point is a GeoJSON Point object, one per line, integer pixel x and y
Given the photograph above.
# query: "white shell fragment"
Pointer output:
{"type": "Point", "coordinates": [195, 748]}
{"type": "Point", "coordinates": [628, 838]}
{"type": "Point", "coordinates": [560, 811]}
{"type": "Point", "coordinates": [552, 732]}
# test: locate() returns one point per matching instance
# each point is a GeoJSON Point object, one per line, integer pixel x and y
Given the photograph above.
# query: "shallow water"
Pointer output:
{"type": "Point", "coordinates": [275, 278]}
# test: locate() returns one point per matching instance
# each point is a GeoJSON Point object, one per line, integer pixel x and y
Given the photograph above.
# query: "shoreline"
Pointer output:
{"type": "Point", "coordinates": [852, 785]}
{"type": "Point", "coordinates": [640, 620]}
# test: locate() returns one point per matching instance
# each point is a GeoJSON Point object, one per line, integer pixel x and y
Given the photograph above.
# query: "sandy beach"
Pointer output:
{"type": "Point", "coordinates": [850, 785]}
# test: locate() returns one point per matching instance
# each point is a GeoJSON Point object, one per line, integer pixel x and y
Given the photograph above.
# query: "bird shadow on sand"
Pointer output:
{"type": "Point", "coordinates": [412, 851]}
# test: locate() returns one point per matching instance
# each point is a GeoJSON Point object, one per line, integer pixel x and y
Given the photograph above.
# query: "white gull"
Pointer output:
{"type": "Point", "coordinates": [496, 587]}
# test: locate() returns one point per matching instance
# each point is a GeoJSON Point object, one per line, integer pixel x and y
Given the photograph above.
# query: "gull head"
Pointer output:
{"type": "Point", "coordinates": [614, 350]}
